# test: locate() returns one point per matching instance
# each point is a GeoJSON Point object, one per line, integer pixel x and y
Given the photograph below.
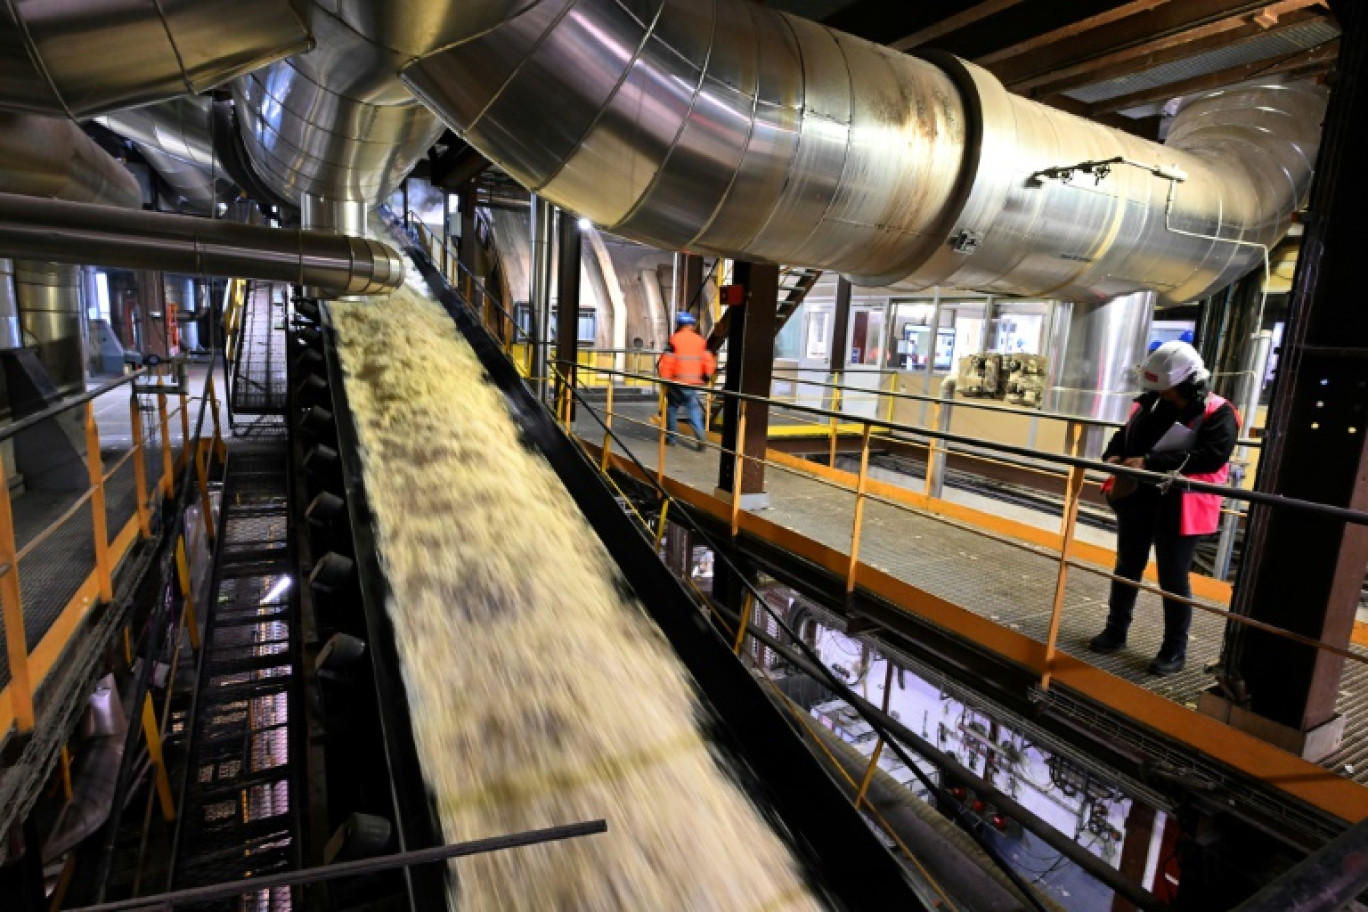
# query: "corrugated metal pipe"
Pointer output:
{"type": "Point", "coordinates": [80, 58]}
{"type": "Point", "coordinates": [175, 137]}
{"type": "Point", "coordinates": [101, 235]}
{"type": "Point", "coordinates": [333, 131]}
{"type": "Point", "coordinates": [51, 156]}
{"type": "Point", "coordinates": [727, 127]}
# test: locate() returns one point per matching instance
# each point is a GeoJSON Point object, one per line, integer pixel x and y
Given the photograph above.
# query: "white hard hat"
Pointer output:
{"type": "Point", "coordinates": [1170, 364]}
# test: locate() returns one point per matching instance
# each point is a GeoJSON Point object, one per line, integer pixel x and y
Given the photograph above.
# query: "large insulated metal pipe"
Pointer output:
{"type": "Point", "coordinates": [728, 127]}
{"type": "Point", "coordinates": [335, 123]}
{"type": "Point", "coordinates": [82, 233]}
{"type": "Point", "coordinates": [175, 137]}
{"type": "Point", "coordinates": [51, 156]}
{"type": "Point", "coordinates": [88, 57]}
{"type": "Point", "coordinates": [1094, 352]}
{"type": "Point", "coordinates": [9, 308]}
{"type": "Point", "coordinates": [49, 299]}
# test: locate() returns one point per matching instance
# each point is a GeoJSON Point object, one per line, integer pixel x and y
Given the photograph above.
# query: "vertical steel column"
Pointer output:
{"type": "Point", "coordinates": [840, 327]}
{"type": "Point", "coordinates": [750, 365]}
{"type": "Point", "coordinates": [466, 206]}
{"type": "Point", "coordinates": [691, 291]}
{"type": "Point", "coordinates": [539, 298]}
{"type": "Point", "coordinates": [567, 314]}
{"type": "Point", "coordinates": [1299, 571]}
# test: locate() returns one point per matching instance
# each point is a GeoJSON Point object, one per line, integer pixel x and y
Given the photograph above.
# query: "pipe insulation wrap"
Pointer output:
{"type": "Point", "coordinates": [87, 57]}
{"type": "Point", "coordinates": [176, 139]}
{"type": "Point", "coordinates": [102, 235]}
{"type": "Point", "coordinates": [51, 156]}
{"type": "Point", "coordinates": [725, 127]}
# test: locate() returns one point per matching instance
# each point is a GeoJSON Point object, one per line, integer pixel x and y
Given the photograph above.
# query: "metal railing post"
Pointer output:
{"type": "Point", "coordinates": [835, 422]}
{"type": "Point", "coordinates": [185, 428]}
{"type": "Point", "coordinates": [660, 447]}
{"type": "Point", "coordinates": [98, 518]}
{"type": "Point", "coordinates": [140, 468]}
{"type": "Point", "coordinates": [202, 479]}
{"type": "Point", "coordinates": [878, 748]}
{"type": "Point", "coordinates": [859, 508]}
{"type": "Point", "coordinates": [738, 466]}
{"type": "Point", "coordinates": [892, 396]}
{"type": "Point", "coordinates": [607, 431]}
{"type": "Point", "coordinates": [747, 609]}
{"type": "Point", "coordinates": [1070, 524]}
{"type": "Point", "coordinates": [154, 753]}
{"type": "Point", "coordinates": [211, 399]}
{"type": "Point", "coordinates": [16, 643]}
{"type": "Point", "coordinates": [168, 480]}
{"type": "Point", "coordinates": [942, 412]}
{"type": "Point", "coordinates": [187, 592]}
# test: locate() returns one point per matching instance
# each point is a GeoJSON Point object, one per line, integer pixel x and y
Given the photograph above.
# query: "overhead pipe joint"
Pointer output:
{"type": "Point", "coordinates": [729, 128]}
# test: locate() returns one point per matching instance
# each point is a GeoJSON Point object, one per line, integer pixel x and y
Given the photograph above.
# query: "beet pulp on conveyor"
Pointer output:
{"type": "Point", "coordinates": [537, 688]}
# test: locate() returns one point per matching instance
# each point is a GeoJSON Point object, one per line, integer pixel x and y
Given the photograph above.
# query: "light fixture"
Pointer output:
{"type": "Point", "coordinates": [585, 224]}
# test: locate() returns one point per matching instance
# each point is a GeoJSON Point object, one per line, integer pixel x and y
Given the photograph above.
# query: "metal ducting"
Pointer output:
{"type": "Point", "coordinates": [50, 317]}
{"type": "Point", "coordinates": [88, 57]}
{"type": "Point", "coordinates": [333, 130]}
{"type": "Point", "coordinates": [50, 156]}
{"type": "Point", "coordinates": [1095, 350]}
{"type": "Point", "coordinates": [9, 308]}
{"type": "Point", "coordinates": [730, 128]}
{"type": "Point", "coordinates": [103, 235]}
{"type": "Point", "coordinates": [175, 138]}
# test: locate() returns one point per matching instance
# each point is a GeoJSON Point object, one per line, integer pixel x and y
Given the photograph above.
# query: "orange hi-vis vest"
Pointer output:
{"type": "Point", "coordinates": [687, 359]}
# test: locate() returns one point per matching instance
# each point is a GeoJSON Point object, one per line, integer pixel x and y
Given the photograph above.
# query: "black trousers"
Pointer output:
{"type": "Point", "coordinates": [1143, 519]}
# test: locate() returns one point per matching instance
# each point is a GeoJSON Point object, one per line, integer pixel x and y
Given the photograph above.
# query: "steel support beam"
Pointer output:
{"type": "Point", "coordinates": [469, 243]}
{"type": "Point", "coordinates": [567, 310]}
{"type": "Point", "coordinates": [840, 326]}
{"type": "Point", "coordinates": [1300, 571]}
{"type": "Point", "coordinates": [691, 290]}
{"type": "Point", "coordinates": [750, 365]}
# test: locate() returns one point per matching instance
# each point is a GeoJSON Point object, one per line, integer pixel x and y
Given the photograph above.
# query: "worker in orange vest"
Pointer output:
{"type": "Point", "coordinates": [688, 363]}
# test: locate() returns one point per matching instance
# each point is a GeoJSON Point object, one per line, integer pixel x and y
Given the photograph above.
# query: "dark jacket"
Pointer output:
{"type": "Point", "coordinates": [1215, 438]}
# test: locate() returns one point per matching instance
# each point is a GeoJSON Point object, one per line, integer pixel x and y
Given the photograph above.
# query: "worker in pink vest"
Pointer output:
{"type": "Point", "coordinates": [1176, 426]}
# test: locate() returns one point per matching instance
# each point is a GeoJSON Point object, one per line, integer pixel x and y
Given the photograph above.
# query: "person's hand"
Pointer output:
{"type": "Point", "coordinates": [1135, 462]}
{"type": "Point", "coordinates": [1114, 460]}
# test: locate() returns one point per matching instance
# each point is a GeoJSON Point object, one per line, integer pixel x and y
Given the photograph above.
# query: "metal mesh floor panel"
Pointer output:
{"type": "Point", "coordinates": [1007, 584]}
{"type": "Point", "coordinates": [259, 385]}
{"type": "Point", "coordinates": [241, 803]}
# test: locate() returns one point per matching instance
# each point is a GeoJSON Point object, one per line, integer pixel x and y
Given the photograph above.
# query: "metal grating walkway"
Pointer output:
{"type": "Point", "coordinates": [1007, 585]}
{"type": "Point", "coordinates": [258, 381]}
{"type": "Point", "coordinates": [241, 802]}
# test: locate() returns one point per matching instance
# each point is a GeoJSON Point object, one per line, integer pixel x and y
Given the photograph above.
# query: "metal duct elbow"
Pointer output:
{"type": "Point", "coordinates": [86, 57]}
{"type": "Point", "coordinates": [176, 140]}
{"type": "Point", "coordinates": [726, 127]}
{"type": "Point", "coordinates": [50, 156]}
{"type": "Point", "coordinates": [39, 229]}
{"type": "Point", "coordinates": [334, 124]}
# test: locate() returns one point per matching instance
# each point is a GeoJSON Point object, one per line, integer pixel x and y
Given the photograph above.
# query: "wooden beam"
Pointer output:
{"type": "Point", "coordinates": [1071, 30]}
{"type": "Point", "coordinates": [1168, 24]}
{"type": "Point", "coordinates": [952, 24]}
{"type": "Point", "coordinates": [1156, 52]}
{"type": "Point", "coordinates": [1312, 60]}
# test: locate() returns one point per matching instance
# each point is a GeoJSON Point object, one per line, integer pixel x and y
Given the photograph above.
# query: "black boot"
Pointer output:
{"type": "Point", "coordinates": [1170, 660]}
{"type": "Point", "coordinates": [1108, 641]}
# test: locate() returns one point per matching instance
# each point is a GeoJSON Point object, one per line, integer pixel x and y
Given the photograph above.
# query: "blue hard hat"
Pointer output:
{"type": "Point", "coordinates": [1152, 346]}
{"type": "Point", "coordinates": [1187, 336]}
{"type": "Point", "coordinates": [684, 318]}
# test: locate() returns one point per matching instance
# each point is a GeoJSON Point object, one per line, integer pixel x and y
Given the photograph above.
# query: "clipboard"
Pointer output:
{"type": "Point", "coordinates": [1177, 439]}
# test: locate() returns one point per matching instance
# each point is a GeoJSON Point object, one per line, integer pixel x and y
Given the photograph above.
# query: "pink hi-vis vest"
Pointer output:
{"type": "Point", "coordinates": [1201, 512]}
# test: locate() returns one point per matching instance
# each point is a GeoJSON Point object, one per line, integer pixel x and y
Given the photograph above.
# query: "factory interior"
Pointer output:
{"type": "Point", "coordinates": [668, 454]}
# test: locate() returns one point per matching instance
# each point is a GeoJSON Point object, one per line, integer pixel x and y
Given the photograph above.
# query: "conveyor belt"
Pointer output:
{"type": "Point", "coordinates": [781, 774]}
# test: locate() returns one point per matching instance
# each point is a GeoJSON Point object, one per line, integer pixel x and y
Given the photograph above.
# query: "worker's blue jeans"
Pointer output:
{"type": "Point", "coordinates": [676, 399]}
